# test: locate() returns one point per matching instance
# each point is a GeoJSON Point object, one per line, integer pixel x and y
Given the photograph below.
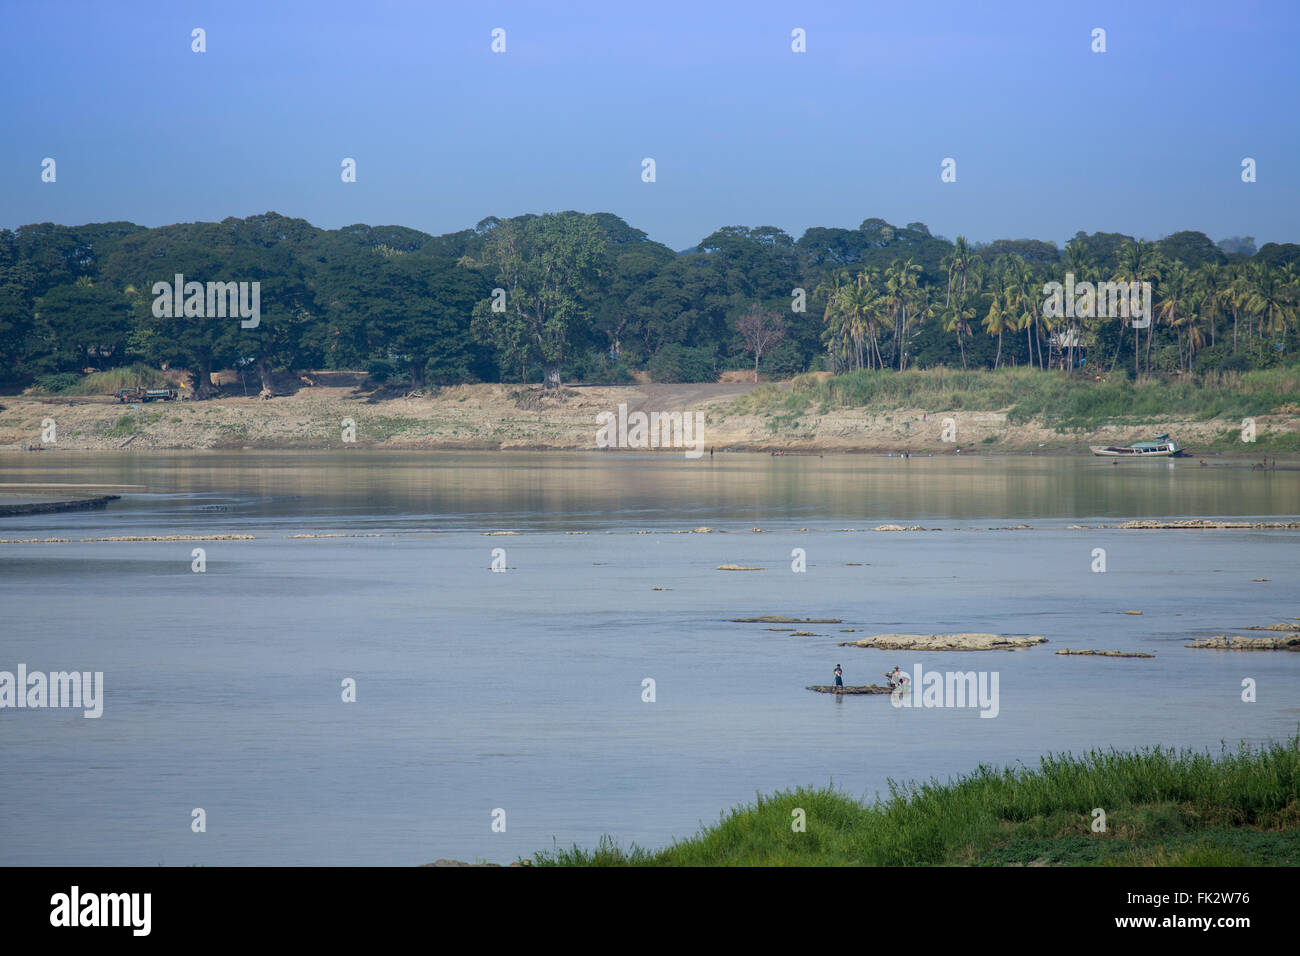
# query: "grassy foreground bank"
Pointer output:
{"type": "Point", "coordinates": [1162, 807]}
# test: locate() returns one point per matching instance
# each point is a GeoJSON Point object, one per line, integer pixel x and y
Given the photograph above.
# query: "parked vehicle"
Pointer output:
{"type": "Point", "coordinates": [138, 394]}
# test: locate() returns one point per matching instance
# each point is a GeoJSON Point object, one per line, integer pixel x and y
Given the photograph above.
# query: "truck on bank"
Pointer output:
{"type": "Point", "coordinates": [139, 394]}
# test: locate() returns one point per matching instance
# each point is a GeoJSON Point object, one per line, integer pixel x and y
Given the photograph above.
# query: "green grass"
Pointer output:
{"type": "Point", "coordinates": [110, 380]}
{"type": "Point", "coordinates": [381, 428]}
{"type": "Point", "coordinates": [127, 425]}
{"type": "Point", "coordinates": [1163, 807]}
{"type": "Point", "coordinates": [1030, 394]}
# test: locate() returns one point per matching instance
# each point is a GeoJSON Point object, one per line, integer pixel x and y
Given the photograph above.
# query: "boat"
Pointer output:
{"type": "Point", "coordinates": [848, 688]}
{"type": "Point", "coordinates": [1162, 446]}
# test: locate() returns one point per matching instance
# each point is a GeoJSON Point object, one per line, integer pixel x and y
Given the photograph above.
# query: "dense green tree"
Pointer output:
{"type": "Point", "coordinates": [548, 267]}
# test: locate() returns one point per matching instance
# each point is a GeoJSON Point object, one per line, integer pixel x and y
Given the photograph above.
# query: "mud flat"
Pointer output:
{"type": "Point", "coordinates": [945, 642]}
{"type": "Point", "coordinates": [1229, 642]}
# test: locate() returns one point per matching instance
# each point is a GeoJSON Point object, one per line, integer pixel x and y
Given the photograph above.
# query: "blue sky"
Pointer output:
{"type": "Point", "coordinates": [1048, 137]}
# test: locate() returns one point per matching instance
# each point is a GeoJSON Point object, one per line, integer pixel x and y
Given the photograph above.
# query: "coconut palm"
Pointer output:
{"type": "Point", "coordinates": [1137, 263]}
{"type": "Point", "coordinates": [903, 301]}
{"type": "Point", "coordinates": [1208, 281]}
{"type": "Point", "coordinates": [956, 318]}
{"type": "Point", "coordinates": [837, 334]}
{"type": "Point", "coordinates": [958, 263]}
{"type": "Point", "coordinates": [1000, 316]}
{"type": "Point", "coordinates": [1269, 298]}
{"type": "Point", "coordinates": [1175, 301]}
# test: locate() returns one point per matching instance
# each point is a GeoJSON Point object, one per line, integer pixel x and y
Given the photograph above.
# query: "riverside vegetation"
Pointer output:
{"type": "Point", "coordinates": [1162, 808]}
{"type": "Point", "coordinates": [590, 299]}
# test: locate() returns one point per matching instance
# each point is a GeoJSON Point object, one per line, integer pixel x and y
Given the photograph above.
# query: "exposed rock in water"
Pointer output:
{"type": "Point", "coordinates": [898, 527]}
{"type": "Point", "coordinates": [1229, 642]}
{"type": "Point", "coordinates": [736, 567]}
{"type": "Point", "coordinates": [849, 689]}
{"type": "Point", "coordinates": [1092, 653]}
{"type": "Point", "coordinates": [1284, 626]}
{"type": "Point", "coordinates": [944, 642]}
{"type": "Point", "coordinates": [1132, 612]}
{"type": "Point", "coordinates": [779, 619]}
{"type": "Point", "coordinates": [806, 634]}
{"type": "Point", "coordinates": [1200, 523]}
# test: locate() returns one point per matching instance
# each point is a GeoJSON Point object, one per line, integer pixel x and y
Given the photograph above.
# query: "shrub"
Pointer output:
{"type": "Point", "coordinates": [58, 382]}
{"type": "Point", "coordinates": [678, 363]}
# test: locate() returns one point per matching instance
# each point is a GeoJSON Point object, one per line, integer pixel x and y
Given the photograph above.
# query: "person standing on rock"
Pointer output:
{"type": "Point", "coordinates": [839, 676]}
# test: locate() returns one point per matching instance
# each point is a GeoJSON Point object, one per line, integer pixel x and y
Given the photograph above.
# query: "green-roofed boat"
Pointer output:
{"type": "Point", "coordinates": [1159, 447]}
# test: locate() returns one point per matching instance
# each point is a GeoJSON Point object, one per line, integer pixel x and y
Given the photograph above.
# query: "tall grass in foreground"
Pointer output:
{"type": "Point", "coordinates": [1162, 807]}
{"type": "Point", "coordinates": [1029, 393]}
{"type": "Point", "coordinates": [101, 383]}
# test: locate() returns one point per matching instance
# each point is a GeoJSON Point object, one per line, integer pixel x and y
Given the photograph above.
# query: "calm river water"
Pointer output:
{"type": "Point", "coordinates": [522, 691]}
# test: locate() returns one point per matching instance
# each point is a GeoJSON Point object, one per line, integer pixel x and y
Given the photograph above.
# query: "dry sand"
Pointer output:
{"type": "Point", "coordinates": [526, 417]}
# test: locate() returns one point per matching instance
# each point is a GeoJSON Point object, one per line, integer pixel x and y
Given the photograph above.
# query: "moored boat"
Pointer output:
{"type": "Point", "coordinates": [848, 688]}
{"type": "Point", "coordinates": [1162, 446]}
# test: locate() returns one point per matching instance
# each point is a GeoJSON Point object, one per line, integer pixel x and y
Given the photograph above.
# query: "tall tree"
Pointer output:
{"type": "Point", "coordinates": [547, 266]}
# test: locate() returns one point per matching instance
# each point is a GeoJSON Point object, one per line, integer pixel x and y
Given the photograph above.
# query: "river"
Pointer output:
{"type": "Point", "coordinates": [522, 691]}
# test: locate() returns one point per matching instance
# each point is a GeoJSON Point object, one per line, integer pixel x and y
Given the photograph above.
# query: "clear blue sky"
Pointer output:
{"type": "Point", "coordinates": [1049, 138]}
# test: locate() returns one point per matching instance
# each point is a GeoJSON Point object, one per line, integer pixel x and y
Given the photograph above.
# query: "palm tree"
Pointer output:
{"type": "Point", "coordinates": [1209, 281]}
{"type": "Point", "coordinates": [869, 307]}
{"type": "Point", "coordinates": [836, 336]}
{"type": "Point", "coordinates": [1269, 298]}
{"type": "Point", "coordinates": [902, 298]}
{"type": "Point", "coordinates": [1136, 264]}
{"type": "Point", "coordinates": [853, 312]}
{"type": "Point", "coordinates": [958, 262]}
{"type": "Point", "coordinates": [1022, 299]}
{"type": "Point", "coordinates": [1000, 317]}
{"type": "Point", "coordinates": [1175, 300]}
{"type": "Point", "coordinates": [956, 318]}
{"type": "Point", "coordinates": [1235, 293]}
{"type": "Point", "coordinates": [1078, 262]}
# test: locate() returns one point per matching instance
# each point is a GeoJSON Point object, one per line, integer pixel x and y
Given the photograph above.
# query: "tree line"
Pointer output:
{"type": "Point", "coordinates": [588, 298]}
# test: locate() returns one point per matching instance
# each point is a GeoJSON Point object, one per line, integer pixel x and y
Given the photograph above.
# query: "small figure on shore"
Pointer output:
{"type": "Point", "coordinates": [839, 676]}
{"type": "Point", "coordinates": [710, 452]}
{"type": "Point", "coordinates": [906, 453]}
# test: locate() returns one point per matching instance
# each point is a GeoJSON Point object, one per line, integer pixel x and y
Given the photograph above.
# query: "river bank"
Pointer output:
{"type": "Point", "coordinates": [1159, 808]}
{"type": "Point", "coordinates": [507, 417]}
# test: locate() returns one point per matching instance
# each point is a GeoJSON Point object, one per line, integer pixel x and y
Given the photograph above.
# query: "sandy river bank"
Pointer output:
{"type": "Point", "coordinates": [515, 417]}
